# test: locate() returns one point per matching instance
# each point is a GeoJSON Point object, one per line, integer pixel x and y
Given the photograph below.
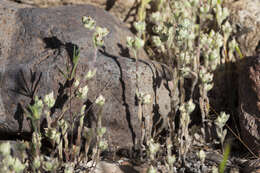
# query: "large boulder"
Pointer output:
{"type": "Point", "coordinates": [35, 42]}
{"type": "Point", "coordinates": [249, 102]}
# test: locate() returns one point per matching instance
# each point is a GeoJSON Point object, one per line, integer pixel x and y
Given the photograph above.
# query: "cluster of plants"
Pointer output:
{"type": "Point", "coordinates": [193, 38]}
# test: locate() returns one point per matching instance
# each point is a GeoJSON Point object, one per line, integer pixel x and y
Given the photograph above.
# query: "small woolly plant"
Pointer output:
{"type": "Point", "coordinates": [8, 162]}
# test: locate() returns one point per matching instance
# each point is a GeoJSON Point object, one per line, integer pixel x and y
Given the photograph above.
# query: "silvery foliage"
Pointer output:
{"type": "Point", "coordinates": [194, 48]}
{"type": "Point", "coordinates": [220, 123]}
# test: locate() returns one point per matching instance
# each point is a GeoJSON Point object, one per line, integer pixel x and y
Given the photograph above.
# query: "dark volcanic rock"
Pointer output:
{"type": "Point", "coordinates": [249, 102]}
{"type": "Point", "coordinates": [35, 42]}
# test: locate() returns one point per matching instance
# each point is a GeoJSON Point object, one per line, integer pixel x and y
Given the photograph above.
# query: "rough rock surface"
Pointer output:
{"type": "Point", "coordinates": [122, 9]}
{"type": "Point", "coordinates": [249, 102]}
{"type": "Point", "coordinates": [48, 3]}
{"type": "Point", "coordinates": [34, 42]}
{"type": "Point", "coordinates": [245, 18]}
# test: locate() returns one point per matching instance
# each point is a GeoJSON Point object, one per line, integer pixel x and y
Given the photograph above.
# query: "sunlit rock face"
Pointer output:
{"type": "Point", "coordinates": [245, 20]}
{"type": "Point", "coordinates": [35, 43]}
